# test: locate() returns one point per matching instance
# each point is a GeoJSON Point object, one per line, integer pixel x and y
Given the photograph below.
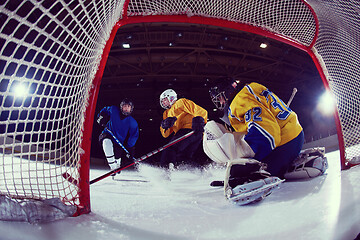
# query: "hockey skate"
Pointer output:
{"type": "Point", "coordinates": [117, 165]}
{"type": "Point", "coordinates": [247, 182]}
{"type": "Point", "coordinates": [253, 191]}
{"type": "Point", "coordinates": [310, 163]}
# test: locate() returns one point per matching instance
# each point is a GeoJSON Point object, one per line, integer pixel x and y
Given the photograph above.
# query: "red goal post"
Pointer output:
{"type": "Point", "coordinates": [57, 51]}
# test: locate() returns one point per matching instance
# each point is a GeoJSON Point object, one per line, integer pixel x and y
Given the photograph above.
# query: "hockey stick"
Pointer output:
{"type": "Point", "coordinates": [142, 158]}
{"type": "Point", "coordinates": [68, 177]}
{"type": "Point", "coordinates": [118, 142]}
{"type": "Point", "coordinates": [291, 97]}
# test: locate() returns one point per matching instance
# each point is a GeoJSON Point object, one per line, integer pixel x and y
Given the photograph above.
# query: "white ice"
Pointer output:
{"type": "Point", "coordinates": [187, 207]}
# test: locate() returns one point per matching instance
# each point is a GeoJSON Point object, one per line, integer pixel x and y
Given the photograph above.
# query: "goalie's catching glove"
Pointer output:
{"type": "Point", "coordinates": [168, 122]}
{"type": "Point", "coordinates": [198, 124]}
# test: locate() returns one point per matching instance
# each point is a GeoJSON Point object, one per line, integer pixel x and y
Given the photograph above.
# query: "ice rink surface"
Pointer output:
{"type": "Point", "coordinates": [147, 205]}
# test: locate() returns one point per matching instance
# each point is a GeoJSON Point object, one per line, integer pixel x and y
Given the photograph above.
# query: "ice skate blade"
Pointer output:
{"type": "Point", "coordinates": [253, 191]}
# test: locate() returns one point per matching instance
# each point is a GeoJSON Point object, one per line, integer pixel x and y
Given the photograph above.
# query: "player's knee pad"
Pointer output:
{"type": "Point", "coordinates": [108, 147]}
{"type": "Point", "coordinates": [310, 163]}
{"type": "Point", "coordinates": [221, 145]}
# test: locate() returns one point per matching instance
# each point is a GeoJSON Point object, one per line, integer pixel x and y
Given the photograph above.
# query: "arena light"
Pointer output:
{"type": "Point", "coordinates": [126, 45]}
{"type": "Point", "coordinates": [326, 104]}
{"type": "Point", "coordinates": [20, 90]}
{"type": "Point", "coordinates": [263, 45]}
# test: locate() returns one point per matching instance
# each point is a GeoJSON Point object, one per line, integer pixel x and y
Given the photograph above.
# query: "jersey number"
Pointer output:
{"type": "Point", "coordinates": [278, 104]}
{"type": "Point", "coordinates": [253, 114]}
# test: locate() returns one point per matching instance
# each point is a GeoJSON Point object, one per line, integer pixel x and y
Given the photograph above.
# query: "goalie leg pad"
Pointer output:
{"type": "Point", "coordinates": [243, 170]}
{"type": "Point", "coordinates": [246, 181]}
{"type": "Point", "coordinates": [310, 163]}
{"type": "Point", "coordinates": [252, 192]}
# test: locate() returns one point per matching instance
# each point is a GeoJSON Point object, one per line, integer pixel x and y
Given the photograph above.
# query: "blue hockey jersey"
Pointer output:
{"type": "Point", "coordinates": [125, 128]}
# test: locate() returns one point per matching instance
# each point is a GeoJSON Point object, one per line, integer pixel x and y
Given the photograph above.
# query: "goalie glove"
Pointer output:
{"type": "Point", "coordinates": [168, 122]}
{"type": "Point", "coordinates": [221, 145]}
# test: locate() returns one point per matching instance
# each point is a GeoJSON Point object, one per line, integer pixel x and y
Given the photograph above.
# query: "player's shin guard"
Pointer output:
{"type": "Point", "coordinates": [108, 148]}
{"type": "Point", "coordinates": [310, 163]}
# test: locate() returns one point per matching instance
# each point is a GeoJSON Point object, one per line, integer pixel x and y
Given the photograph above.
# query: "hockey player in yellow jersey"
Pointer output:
{"type": "Point", "coordinates": [271, 128]}
{"type": "Point", "coordinates": [264, 146]}
{"type": "Point", "coordinates": [269, 123]}
{"type": "Point", "coordinates": [179, 118]}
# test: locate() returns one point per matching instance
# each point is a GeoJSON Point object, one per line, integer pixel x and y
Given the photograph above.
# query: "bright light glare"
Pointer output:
{"type": "Point", "coordinates": [263, 45]}
{"type": "Point", "coordinates": [326, 104]}
{"type": "Point", "coordinates": [126, 45]}
{"type": "Point", "coordinates": [20, 90]}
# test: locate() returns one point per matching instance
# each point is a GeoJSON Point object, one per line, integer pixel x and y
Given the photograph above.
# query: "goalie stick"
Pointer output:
{"type": "Point", "coordinates": [291, 97]}
{"type": "Point", "coordinates": [142, 158]}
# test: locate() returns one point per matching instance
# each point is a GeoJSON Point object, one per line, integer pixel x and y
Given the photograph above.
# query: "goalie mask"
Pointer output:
{"type": "Point", "coordinates": [168, 98]}
{"type": "Point", "coordinates": [126, 107]}
{"type": "Point", "coordinates": [223, 91]}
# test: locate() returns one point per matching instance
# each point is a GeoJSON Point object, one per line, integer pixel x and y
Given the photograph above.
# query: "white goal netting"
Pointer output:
{"type": "Point", "coordinates": [51, 53]}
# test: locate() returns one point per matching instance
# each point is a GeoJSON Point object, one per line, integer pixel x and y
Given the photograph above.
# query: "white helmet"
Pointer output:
{"type": "Point", "coordinates": [167, 98]}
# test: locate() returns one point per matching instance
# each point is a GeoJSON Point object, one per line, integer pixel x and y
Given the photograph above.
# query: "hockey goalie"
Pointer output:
{"type": "Point", "coordinates": [246, 179]}
{"type": "Point", "coordinates": [264, 146]}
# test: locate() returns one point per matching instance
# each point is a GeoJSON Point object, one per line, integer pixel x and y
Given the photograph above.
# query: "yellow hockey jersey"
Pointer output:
{"type": "Point", "coordinates": [184, 110]}
{"type": "Point", "coordinates": [264, 117]}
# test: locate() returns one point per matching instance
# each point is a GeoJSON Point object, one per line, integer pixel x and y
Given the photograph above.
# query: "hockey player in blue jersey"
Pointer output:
{"type": "Point", "coordinates": [119, 126]}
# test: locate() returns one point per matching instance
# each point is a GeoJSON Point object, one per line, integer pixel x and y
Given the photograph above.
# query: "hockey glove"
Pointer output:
{"type": "Point", "coordinates": [198, 124]}
{"type": "Point", "coordinates": [131, 152]}
{"type": "Point", "coordinates": [102, 119]}
{"type": "Point", "coordinates": [168, 122]}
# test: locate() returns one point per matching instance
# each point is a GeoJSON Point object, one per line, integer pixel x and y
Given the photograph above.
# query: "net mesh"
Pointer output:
{"type": "Point", "coordinates": [292, 19]}
{"type": "Point", "coordinates": [51, 50]}
{"type": "Point", "coordinates": [338, 48]}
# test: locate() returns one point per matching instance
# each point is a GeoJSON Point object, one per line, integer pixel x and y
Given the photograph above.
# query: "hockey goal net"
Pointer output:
{"type": "Point", "coordinates": [53, 54]}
